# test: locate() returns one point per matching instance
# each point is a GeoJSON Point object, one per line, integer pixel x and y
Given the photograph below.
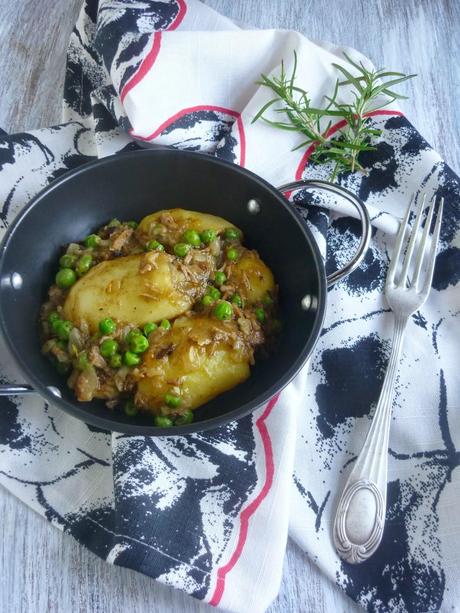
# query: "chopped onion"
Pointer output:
{"type": "Point", "coordinates": [73, 378]}
{"type": "Point", "coordinates": [215, 248]}
{"type": "Point", "coordinates": [75, 341]}
{"type": "Point", "coordinates": [191, 358]}
{"type": "Point", "coordinates": [87, 384]}
{"type": "Point", "coordinates": [245, 326]}
{"type": "Point", "coordinates": [120, 377]}
{"type": "Point", "coordinates": [73, 249]}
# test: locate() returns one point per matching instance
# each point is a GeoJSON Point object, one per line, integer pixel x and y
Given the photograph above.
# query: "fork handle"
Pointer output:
{"type": "Point", "coordinates": [360, 516]}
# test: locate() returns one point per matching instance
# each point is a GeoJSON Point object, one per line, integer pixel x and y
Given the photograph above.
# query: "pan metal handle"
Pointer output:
{"type": "Point", "coordinates": [20, 389]}
{"type": "Point", "coordinates": [366, 228]}
{"type": "Point", "coordinates": [16, 390]}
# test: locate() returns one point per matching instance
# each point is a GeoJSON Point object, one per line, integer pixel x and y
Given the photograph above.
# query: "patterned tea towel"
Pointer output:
{"type": "Point", "coordinates": [210, 513]}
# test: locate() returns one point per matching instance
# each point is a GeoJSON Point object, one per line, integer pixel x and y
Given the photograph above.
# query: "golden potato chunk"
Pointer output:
{"type": "Point", "coordinates": [169, 226]}
{"type": "Point", "coordinates": [133, 289]}
{"type": "Point", "coordinates": [198, 358]}
{"type": "Point", "coordinates": [251, 277]}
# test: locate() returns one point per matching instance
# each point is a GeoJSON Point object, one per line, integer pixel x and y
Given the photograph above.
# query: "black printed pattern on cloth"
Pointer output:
{"type": "Point", "coordinates": [169, 507]}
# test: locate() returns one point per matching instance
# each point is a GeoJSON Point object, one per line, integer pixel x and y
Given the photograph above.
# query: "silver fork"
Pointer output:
{"type": "Point", "coordinates": [360, 516]}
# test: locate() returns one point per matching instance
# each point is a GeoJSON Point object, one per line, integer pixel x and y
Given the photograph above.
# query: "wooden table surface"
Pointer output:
{"type": "Point", "coordinates": [45, 572]}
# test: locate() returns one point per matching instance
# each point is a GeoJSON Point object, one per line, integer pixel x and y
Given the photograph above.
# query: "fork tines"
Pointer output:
{"type": "Point", "coordinates": [414, 256]}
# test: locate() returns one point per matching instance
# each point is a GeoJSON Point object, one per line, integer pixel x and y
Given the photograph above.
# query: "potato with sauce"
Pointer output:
{"type": "Point", "coordinates": [252, 277]}
{"type": "Point", "coordinates": [169, 227]}
{"type": "Point", "coordinates": [197, 359]}
{"type": "Point", "coordinates": [159, 317]}
{"type": "Point", "coordinates": [134, 289]}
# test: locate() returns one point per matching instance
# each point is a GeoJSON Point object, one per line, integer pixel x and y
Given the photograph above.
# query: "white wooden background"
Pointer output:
{"type": "Point", "coordinates": [42, 571]}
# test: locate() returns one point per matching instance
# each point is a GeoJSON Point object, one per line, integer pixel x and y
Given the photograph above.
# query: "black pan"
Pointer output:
{"type": "Point", "coordinates": [129, 186]}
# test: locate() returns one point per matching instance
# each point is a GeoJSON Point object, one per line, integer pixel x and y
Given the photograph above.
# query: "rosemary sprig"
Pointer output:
{"type": "Point", "coordinates": [369, 87]}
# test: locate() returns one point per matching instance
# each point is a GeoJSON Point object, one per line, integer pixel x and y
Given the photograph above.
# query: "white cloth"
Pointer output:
{"type": "Point", "coordinates": [210, 514]}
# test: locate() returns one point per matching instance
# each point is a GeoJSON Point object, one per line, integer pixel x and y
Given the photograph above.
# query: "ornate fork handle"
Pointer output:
{"type": "Point", "coordinates": [360, 516]}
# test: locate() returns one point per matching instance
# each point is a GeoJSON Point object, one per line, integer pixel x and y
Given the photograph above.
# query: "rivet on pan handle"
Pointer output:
{"type": "Point", "coordinates": [363, 216]}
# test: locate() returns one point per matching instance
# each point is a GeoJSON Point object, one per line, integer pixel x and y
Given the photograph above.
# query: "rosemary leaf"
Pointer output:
{"type": "Point", "coordinates": [367, 89]}
{"type": "Point", "coordinates": [350, 77]}
{"type": "Point", "coordinates": [264, 108]}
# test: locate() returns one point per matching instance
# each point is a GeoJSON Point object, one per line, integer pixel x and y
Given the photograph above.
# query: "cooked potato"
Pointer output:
{"type": "Point", "coordinates": [199, 356]}
{"type": "Point", "coordinates": [133, 289]}
{"type": "Point", "coordinates": [213, 334]}
{"type": "Point", "coordinates": [169, 226]}
{"type": "Point", "coordinates": [252, 278]}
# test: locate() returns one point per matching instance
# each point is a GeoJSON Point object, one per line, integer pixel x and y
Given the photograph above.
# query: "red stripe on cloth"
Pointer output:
{"type": "Point", "coordinates": [239, 123]}
{"type": "Point", "coordinates": [145, 66]}
{"type": "Point", "coordinates": [252, 507]}
{"type": "Point", "coordinates": [193, 109]}
{"type": "Point", "coordinates": [332, 130]}
{"type": "Point", "coordinates": [180, 15]}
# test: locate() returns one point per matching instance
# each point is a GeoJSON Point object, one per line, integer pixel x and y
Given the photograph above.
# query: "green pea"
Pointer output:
{"type": "Point", "coordinates": [267, 299]}
{"type": "Point", "coordinates": [107, 326]}
{"type": "Point", "coordinates": [83, 264]}
{"type": "Point", "coordinates": [130, 358]}
{"type": "Point", "coordinates": [165, 324]}
{"type": "Point", "coordinates": [232, 234]}
{"type": "Point", "coordinates": [223, 310]}
{"type": "Point", "coordinates": [82, 361]}
{"type": "Point", "coordinates": [132, 334]}
{"type": "Point", "coordinates": [192, 238]}
{"type": "Point", "coordinates": [220, 278]}
{"type": "Point", "coordinates": [207, 236]}
{"type": "Point", "coordinates": [149, 327]}
{"type": "Point", "coordinates": [154, 246]}
{"type": "Point", "coordinates": [260, 314]}
{"type": "Point", "coordinates": [55, 324]}
{"type": "Point", "coordinates": [65, 278]}
{"type": "Point", "coordinates": [63, 329]}
{"type": "Point", "coordinates": [67, 261]}
{"type": "Point", "coordinates": [181, 249]}
{"type": "Point", "coordinates": [184, 418]}
{"type": "Point", "coordinates": [62, 367]}
{"type": "Point", "coordinates": [130, 409]}
{"type": "Point", "coordinates": [116, 361]}
{"type": "Point", "coordinates": [52, 317]}
{"type": "Point", "coordinates": [214, 293]}
{"type": "Point", "coordinates": [232, 254]}
{"type": "Point", "coordinates": [207, 300]}
{"type": "Point", "coordinates": [114, 223]}
{"type": "Point", "coordinates": [132, 224]}
{"type": "Point", "coordinates": [172, 400]}
{"type": "Point", "coordinates": [162, 422]}
{"type": "Point", "coordinates": [92, 240]}
{"type": "Point", "coordinates": [138, 344]}
{"type": "Point", "coordinates": [237, 300]}
{"type": "Point", "coordinates": [108, 348]}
